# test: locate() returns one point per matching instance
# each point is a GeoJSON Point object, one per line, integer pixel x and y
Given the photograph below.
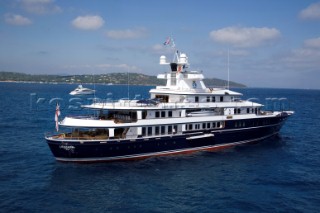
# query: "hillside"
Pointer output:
{"type": "Point", "coordinates": [113, 78]}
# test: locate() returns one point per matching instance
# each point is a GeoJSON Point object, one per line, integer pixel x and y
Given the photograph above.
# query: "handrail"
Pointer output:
{"type": "Point", "coordinates": [89, 138]}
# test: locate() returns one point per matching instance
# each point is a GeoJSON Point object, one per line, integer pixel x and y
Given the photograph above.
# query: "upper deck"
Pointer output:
{"type": "Point", "coordinates": [138, 105]}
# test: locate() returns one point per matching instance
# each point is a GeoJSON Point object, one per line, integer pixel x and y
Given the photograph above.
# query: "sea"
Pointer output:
{"type": "Point", "coordinates": [281, 174]}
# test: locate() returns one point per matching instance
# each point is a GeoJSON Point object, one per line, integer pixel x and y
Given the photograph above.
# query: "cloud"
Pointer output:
{"type": "Point", "coordinates": [312, 43]}
{"type": "Point", "coordinates": [311, 12]}
{"type": "Point", "coordinates": [161, 49]}
{"type": "Point", "coordinates": [306, 57]}
{"type": "Point", "coordinates": [303, 59]}
{"type": "Point", "coordinates": [88, 22]}
{"type": "Point", "coordinates": [40, 7]}
{"type": "Point", "coordinates": [87, 68]}
{"type": "Point", "coordinates": [244, 37]}
{"type": "Point", "coordinates": [15, 19]}
{"type": "Point", "coordinates": [124, 67]}
{"type": "Point", "coordinates": [136, 33]}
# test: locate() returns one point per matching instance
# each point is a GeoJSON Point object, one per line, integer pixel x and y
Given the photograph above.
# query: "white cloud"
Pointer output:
{"type": "Point", "coordinates": [15, 19]}
{"type": "Point", "coordinates": [127, 34]}
{"type": "Point", "coordinates": [305, 58]}
{"type": "Point", "coordinates": [312, 43]}
{"type": "Point", "coordinates": [244, 37]}
{"type": "Point", "coordinates": [87, 68]}
{"type": "Point", "coordinates": [311, 12]}
{"type": "Point", "coordinates": [40, 7]}
{"type": "Point", "coordinates": [124, 67]}
{"type": "Point", "coordinates": [159, 49]}
{"type": "Point", "coordinates": [88, 22]}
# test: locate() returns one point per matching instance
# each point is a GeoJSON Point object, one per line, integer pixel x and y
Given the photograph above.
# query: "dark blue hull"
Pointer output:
{"type": "Point", "coordinates": [111, 150]}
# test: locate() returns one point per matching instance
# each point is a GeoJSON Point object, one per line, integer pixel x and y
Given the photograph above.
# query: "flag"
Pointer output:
{"type": "Point", "coordinates": [170, 42]}
{"type": "Point", "coordinates": [167, 42]}
{"type": "Point", "coordinates": [56, 117]}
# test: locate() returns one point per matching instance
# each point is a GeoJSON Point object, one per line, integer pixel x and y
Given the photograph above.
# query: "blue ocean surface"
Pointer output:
{"type": "Point", "coordinates": [281, 174]}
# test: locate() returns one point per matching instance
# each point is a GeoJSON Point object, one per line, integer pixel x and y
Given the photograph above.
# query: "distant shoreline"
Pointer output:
{"type": "Point", "coordinates": [104, 79]}
{"type": "Point", "coordinates": [74, 83]}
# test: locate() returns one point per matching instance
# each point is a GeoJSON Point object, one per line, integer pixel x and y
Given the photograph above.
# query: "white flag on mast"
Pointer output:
{"type": "Point", "coordinates": [56, 117]}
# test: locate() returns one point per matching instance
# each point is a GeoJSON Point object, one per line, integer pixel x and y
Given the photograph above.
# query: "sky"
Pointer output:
{"type": "Point", "coordinates": [270, 43]}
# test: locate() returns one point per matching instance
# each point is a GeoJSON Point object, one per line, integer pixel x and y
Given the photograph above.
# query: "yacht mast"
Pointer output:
{"type": "Point", "coordinates": [228, 85]}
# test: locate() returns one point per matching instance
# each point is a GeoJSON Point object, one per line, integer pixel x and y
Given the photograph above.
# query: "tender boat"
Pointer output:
{"type": "Point", "coordinates": [181, 117]}
{"type": "Point", "coordinates": [80, 90]}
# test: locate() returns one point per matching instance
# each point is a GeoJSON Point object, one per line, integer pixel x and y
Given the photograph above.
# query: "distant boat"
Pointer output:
{"type": "Point", "coordinates": [82, 91]}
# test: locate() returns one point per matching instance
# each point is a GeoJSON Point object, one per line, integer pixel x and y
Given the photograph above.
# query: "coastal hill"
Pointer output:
{"type": "Point", "coordinates": [111, 78]}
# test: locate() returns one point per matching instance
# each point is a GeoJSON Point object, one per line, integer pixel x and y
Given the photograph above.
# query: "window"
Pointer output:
{"type": "Point", "coordinates": [190, 126]}
{"type": "Point", "coordinates": [175, 129]}
{"type": "Point", "coordinates": [213, 99]}
{"type": "Point", "coordinates": [208, 125]}
{"type": "Point", "coordinates": [163, 98]}
{"type": "Point", "coordinates": [143, 131]}
{"type": "Point", "coordinates": [248, 110]}
{"type": "Point", "coordinates": [144, 114]}
{"type": "Point", "coordinates": [213, 125]}
{"type": "Point", "coordinates": [239, 111]}
{"type": "Point", "coordinates": [163, 130]}
{"type": "Point", "coordinates": [196, 99]}
{"type": "Point", "coordinates": [157, 114]}
{"type": "Point", "coordinates": [163, 114]}
{"type": "Point", "coordinates": [208, 98]}
{"type": "Point", "coordinates": [156, 130]}
{"type": "Point", "coordinates": [149, 130]}
{"type": "Point", "coordinates": [170, 114]}
{"type": "Point", "coordinates": [221, 98]}
{"type": "Point", "coordinates": [169, 129]}
{"type": "Point", "coordinates": [203, 125]}
{"type": "Point", "coordinates": [218, 125]}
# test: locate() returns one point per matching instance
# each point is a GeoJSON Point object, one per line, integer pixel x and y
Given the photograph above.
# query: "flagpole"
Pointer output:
{"type": "Point", "coordinates": [56, 117]}
{"type": "Point", "coordinates": [128, 70]}
{"type": "Point", "coordinates": [228, 69]}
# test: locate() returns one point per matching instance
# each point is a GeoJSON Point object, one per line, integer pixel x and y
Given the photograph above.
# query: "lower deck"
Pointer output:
{"type": "Point", "coordinates": [147, 147]}
{"type": "Point", "coordinates": [150, 131]}
{"type": "Point", "coordinates": [71, 149]}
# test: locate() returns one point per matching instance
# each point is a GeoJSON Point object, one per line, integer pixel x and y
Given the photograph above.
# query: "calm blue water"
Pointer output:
{"type": "Point", "coordinates": [279, 175]}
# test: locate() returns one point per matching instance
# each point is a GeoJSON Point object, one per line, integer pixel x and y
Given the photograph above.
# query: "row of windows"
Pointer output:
{"type": "Point", "coordinates": [159, 130]}
{"type": "Point", "coordinates": [162, 114]}
{"type": "Point", "coordinates": [172, 129]}
{"type": "Point", "coordinates": [207, 125]}
{"type": "Point", "coordinates": [252, 124]}
{"type": "Point", "coordinates": [249, 110]}
{"type": "Point", "coordinates": [209, 99]}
